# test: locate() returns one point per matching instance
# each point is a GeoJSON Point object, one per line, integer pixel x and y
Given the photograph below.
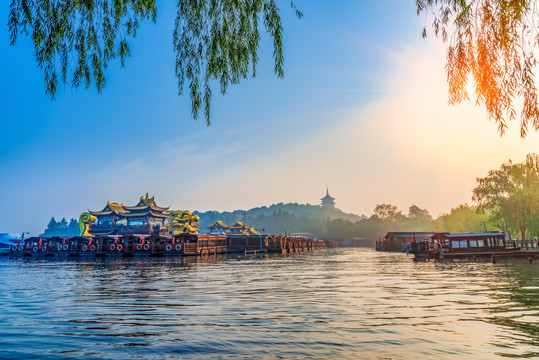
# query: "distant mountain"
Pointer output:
{"type": "Point", "coordinates": [260, 216]}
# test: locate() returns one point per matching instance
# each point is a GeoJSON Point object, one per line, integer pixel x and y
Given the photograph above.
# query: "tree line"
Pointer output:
{"type": "Point", "coordinates": [62, 228]}
{"type": "Point", "coordinates": [506, 199]}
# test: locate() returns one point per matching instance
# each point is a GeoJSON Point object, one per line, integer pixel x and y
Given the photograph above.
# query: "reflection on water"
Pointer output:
{"type": "Point", "coordinates": [334, 303]}
{"type": "Point", "coordinates": [522, 311]}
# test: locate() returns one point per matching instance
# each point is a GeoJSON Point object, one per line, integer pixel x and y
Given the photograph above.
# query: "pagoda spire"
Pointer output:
{"type": "Point", "coordinates": [328, 201]}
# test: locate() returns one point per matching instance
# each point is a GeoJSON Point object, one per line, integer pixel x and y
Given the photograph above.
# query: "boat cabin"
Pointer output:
{"type": "Point", "coordinates": [396, 241]}
{"type": "Point", "coordinates": [460, 245]}
{"type": "Point", "coordinates": [246, 242]}
{"type": "Point", "coordinates": [194, 243]}
{"type": "Point", "coordinates": [470, 241]}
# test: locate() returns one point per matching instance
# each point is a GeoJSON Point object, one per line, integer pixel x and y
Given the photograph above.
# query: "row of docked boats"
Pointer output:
{"type": "Point", "coordinates": [154, 245]}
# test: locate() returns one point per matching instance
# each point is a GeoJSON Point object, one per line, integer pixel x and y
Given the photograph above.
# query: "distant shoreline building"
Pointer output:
{"type": "Point", "coordinates": [328, 201]}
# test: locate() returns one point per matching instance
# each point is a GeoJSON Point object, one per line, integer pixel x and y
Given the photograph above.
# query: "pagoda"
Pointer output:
{"type": "Point", "coordinates": [328, 201]}
{"type": "Point", "coordinates": [144, 218]}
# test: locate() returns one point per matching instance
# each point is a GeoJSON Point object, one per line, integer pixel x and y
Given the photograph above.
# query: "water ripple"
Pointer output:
{"type": "Point", "coordinates": [336, 303]}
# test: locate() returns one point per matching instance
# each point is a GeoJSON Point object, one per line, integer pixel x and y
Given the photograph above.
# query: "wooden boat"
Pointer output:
{"type": "Point", "coordinates": [395, 241]}
{"type": "Point", "coordinates": [468, 245]}
{"type": "Point", "coordinates": [276, 244]}
{"type": "Point", "coordinates": [246, 242]}
{"type": "Point", "coordinates": [9, 242]}
{"type": "Point", "coordinates": [199, 244]}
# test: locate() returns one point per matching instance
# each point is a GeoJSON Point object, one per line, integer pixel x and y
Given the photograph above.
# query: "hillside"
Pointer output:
{"type": "Point", "coordinates": [278, 217]}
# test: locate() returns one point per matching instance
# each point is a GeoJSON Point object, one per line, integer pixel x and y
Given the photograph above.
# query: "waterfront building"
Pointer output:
{"type": "Point", "coordinates": [239, 228]}
{"type": "Point", "coordinates": [146, 217]}
{"type": "Point", "coordinates": [218, 227]}
{"type": "Point", "coordinates": [328, 201]}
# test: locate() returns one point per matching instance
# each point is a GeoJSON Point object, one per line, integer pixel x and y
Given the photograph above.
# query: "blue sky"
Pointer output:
{"type": "Point", "coordinates": [362, 109]}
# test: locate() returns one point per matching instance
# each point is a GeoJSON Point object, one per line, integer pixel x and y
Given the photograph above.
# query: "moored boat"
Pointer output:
{"type": "Point", "coordinates": [8, 242]}
{"type": "Point", "coordinates": [468, 245]}
{"type": "Point", "coordinates": [396, 241]}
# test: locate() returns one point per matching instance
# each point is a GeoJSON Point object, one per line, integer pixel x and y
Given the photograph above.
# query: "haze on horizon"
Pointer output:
{"type": "Point", "coordinates": [362, 110]}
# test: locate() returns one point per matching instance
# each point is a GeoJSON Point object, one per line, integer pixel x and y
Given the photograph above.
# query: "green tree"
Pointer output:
{"type": "Point", "coordinates": [52, 226]}
{"type": "Point", "coordinates": [512, 194]}
{"type": "Point", "coordinates": [462, 218]}
{"type": "Point", "coordinates": [62, 228]}
{"type": "Point", "coordinates": [73, 227]}
{"type": "Point", "coordinates": [493, 43]}
{"type": "Point", "coordinates": [387, 212]}
{"type": "Point", "coordinates": [62, 225]}
{"type": "Point", "coordinates": [218, 40]}
{"type": "Point", "coordinates": [416, 213]}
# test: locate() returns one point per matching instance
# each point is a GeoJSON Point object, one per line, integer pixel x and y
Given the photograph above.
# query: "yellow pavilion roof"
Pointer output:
{"type": "Point", "coordinates": [145, 207]}
{"type": "Point", "coordinates": [218, 223]}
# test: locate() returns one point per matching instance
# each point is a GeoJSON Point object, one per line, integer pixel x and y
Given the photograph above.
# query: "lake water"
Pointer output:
{"type": "Point", "coordinates": [334, 303]}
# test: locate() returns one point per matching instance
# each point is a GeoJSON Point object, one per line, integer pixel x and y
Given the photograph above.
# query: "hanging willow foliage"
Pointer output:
{"type": "Point", "coordinates": [74, 40]}
{"type": "Point", "coordinates": [492, 42]}
{"type": "Point", "coordinates": [218, 40]}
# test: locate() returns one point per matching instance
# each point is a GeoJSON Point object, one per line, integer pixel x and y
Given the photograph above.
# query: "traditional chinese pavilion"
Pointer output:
{"type": "Point", "coordinates": [239, 228]}
{"type": "Point", "coordinates": [144, 218]}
